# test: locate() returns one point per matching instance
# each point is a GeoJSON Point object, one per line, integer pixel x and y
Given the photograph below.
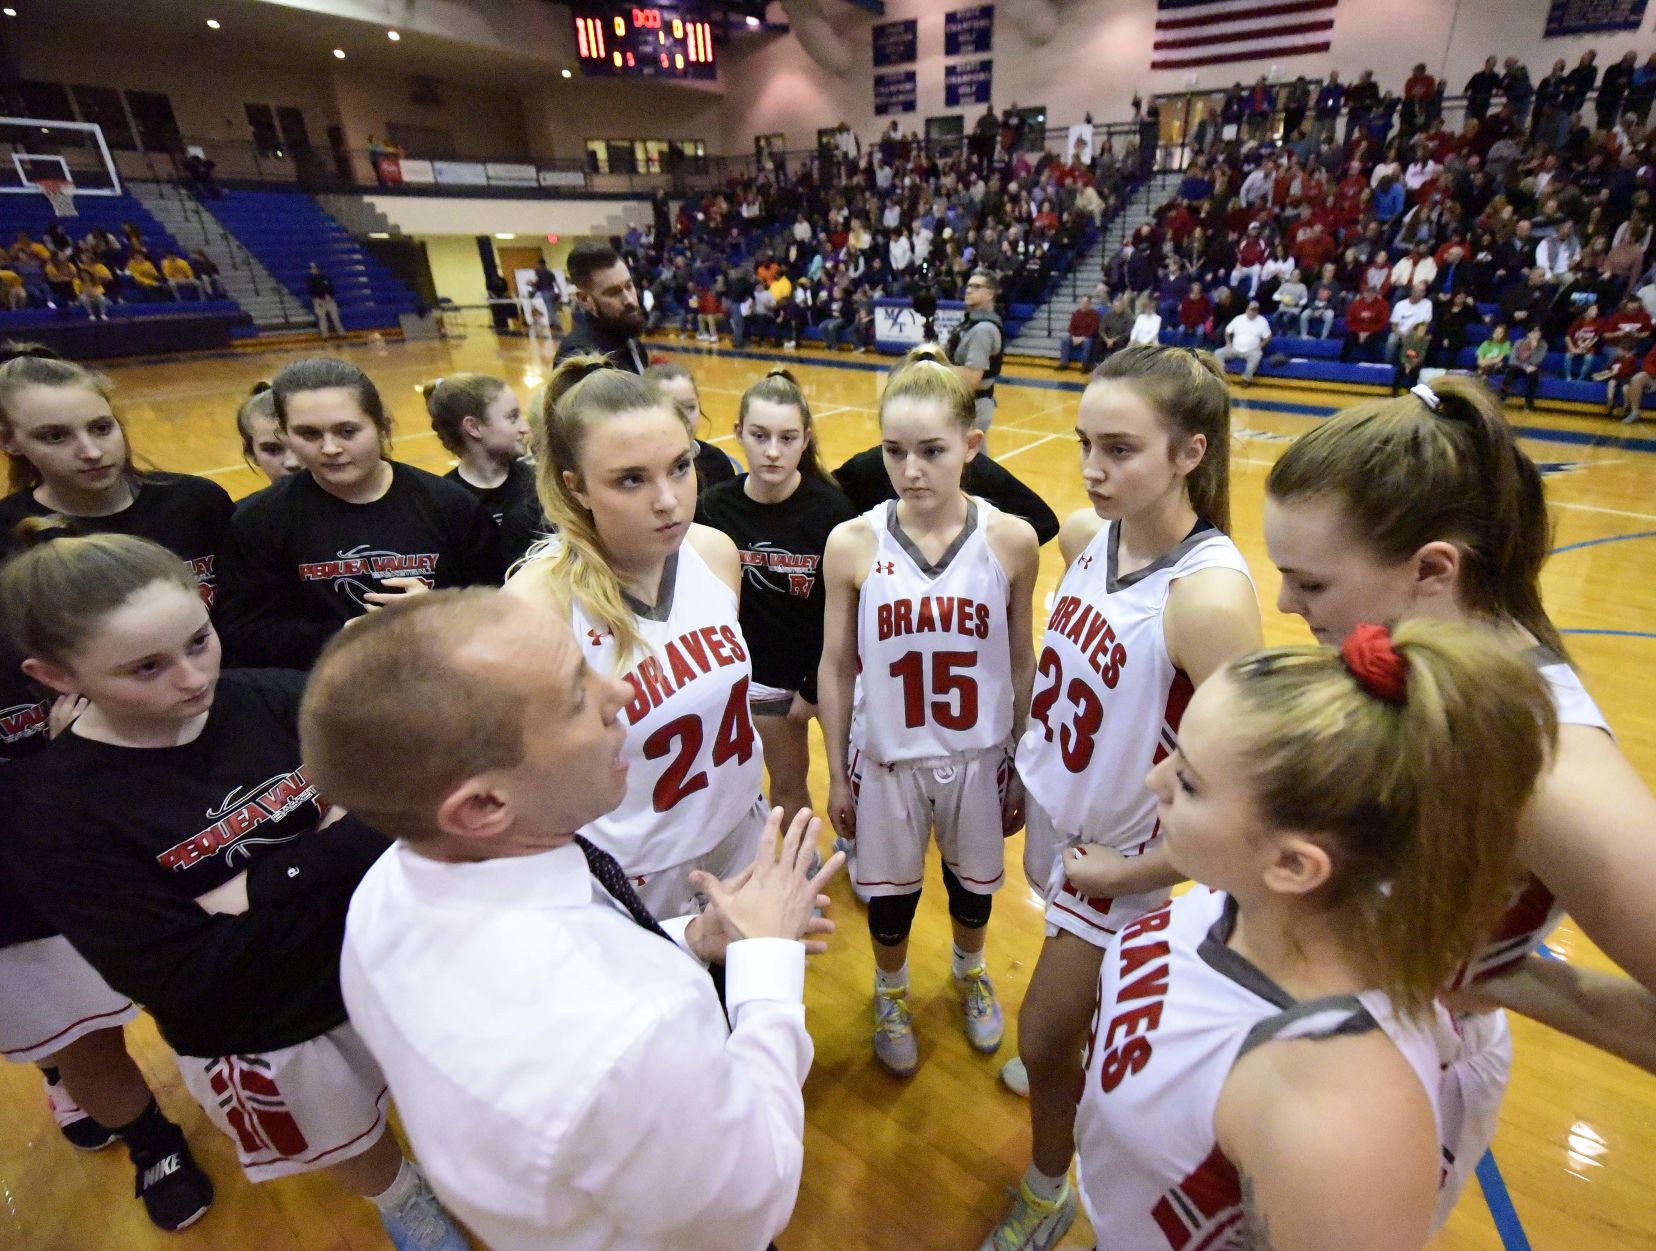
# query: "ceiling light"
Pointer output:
{"type": "Point", "coordinates": [379, 234]}
{"type": "Point", "coordinates": [504, 234]}
{"type": "Point", "coordinates": [9, 12]}
{"type": "Point", "coordinates": [212, 23]}
{"type": "Point", "coordinates": [753, 21]}
{"type": "Point", "coordinates": [339, 53]}
{"type": "Point", "coordinates": [568, 74]}
{"type": "Point", "coordinates": [392, 35]}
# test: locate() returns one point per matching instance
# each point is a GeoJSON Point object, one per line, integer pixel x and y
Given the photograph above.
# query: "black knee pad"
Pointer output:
{"type": "Point", "coordinates": [967, 907]}
{"type": "Point", "coordinates": [891, 917]}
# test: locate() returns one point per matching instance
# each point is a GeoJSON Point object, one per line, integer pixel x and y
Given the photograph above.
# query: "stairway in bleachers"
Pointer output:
{"type": "Point", "coordinates": [287, 230]}
{"type": "Point", "coordinates": [244, 278]}
{"type": "Point", "coordinates": [1048, 322]}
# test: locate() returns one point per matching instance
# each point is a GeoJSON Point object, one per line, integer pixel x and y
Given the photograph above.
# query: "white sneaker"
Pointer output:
{"type": "Point", "coordinates": [985, 1024]}
{"type": "Point", "coordinates": [421, 1224]}
{"type": "Point", "coordinates": [1015, 1077]}
{"type": "Point", "coordinates": [1032, 1224]}
{"type": "Point", "coordinates": [894, 1043]}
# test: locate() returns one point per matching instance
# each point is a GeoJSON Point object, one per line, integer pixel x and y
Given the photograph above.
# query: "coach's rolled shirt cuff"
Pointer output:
{"type": "Point", "coordinates": [771, 969]}
{"type": "Point", "coordinates": [675, 928]}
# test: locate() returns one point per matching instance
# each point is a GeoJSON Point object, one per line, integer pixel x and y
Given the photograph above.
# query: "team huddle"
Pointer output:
{"type": "Point", "coordinates": [300, 776]}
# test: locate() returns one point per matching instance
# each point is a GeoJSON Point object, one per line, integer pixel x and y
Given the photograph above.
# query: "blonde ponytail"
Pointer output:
{"type": "Point", "coordinates": [582, 391]}
{"type": "Point", "coordinates": [926, 374]}
{"type": "Point", "coordinates": [1418, 801]}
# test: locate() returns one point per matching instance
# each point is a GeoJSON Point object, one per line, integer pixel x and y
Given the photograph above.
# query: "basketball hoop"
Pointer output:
{"type": "Point", "coordinates": [60, 193]}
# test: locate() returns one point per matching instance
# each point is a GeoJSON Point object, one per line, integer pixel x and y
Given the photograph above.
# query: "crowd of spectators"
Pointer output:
{"type": "Point", "coordinates": [783, 250]}
{"type": "Point", "coordinates": [98, 271]}
{"type": "Point", "coordinates": [1358, 213]}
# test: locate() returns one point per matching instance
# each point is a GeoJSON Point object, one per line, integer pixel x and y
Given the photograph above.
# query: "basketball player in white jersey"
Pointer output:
{"type": "Point", "coordinates": [924, 686]}
{"type": "Point", "coordinates": [1155, 598]}
{"type": "Point", "coordinates": [1425, 505]}
{"type": "Point", "coordinates": [653, 598]}
{"type": "Point", "coordinates": [1262, 1066]}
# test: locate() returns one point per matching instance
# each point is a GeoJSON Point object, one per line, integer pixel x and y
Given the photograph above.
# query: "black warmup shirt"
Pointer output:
{"type": "Point", "coordinates": [114, 844]}
{"type": "Point", "coordinates": [712, 466]}
{"type": "Point", "coordinates": [866, 483]}
{"type": "Point", "coordinates": [298, 561]}
{"type": "Point", "coordinates": [521, 528]}
{"type": "Point", "coordinates": [497, 501]}
{"type": "Point", "coordinates": [20, 921]}
{"type": "Point", "coordinates": [782, 600]}
{"type": "Point", "coordinates": [185, 514]}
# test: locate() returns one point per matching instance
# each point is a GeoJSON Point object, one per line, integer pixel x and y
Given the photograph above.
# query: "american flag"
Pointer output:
{"type": "Point", "coordinates": [1190, 33]}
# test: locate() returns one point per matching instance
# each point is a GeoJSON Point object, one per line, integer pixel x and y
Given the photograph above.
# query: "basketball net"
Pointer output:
{"type": "Point", "coordinates": [60, 194]}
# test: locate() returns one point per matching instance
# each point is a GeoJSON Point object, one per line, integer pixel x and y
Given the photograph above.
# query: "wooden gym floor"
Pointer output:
{"type": "Point", "coordinates": [896, 1166]}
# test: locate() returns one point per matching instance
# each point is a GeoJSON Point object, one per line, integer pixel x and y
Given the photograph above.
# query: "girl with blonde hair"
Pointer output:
{"type": "Point", "coordinates": [654, 598]}
{"type": "Point", "coordinates": [924, 686]}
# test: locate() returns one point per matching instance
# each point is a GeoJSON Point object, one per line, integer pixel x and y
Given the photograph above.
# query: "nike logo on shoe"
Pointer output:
{"type": "Point", "coordinates": [161, 1170]}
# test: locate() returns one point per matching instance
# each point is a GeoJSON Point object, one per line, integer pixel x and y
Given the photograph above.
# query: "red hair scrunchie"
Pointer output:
{"type": "Point", "coordinates": [1378, 666]}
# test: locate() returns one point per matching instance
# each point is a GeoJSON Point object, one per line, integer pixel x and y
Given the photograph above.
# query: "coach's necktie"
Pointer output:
{"type": "Point", "coordinates": [608, 871]}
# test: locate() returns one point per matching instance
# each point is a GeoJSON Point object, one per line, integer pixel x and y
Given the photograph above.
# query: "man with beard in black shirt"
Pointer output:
{"type": "Point", "coordinates": [608, 317]}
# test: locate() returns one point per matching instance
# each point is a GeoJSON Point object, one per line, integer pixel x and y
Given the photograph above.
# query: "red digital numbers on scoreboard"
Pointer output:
{"type": "Point", "coordinates": [589, 35]}
{"type": "Point", "coordinates": [698, 44]}
{"type": "Point", "coordinates": [645, 41]}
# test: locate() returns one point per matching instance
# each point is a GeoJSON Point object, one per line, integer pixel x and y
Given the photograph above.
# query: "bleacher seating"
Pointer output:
{"type": "Point", "coordinates": [32, 213]}
{"type": "Point", "coordinates": [287, 230]}
{"type": "Point", "coordinates": [1318, 360]}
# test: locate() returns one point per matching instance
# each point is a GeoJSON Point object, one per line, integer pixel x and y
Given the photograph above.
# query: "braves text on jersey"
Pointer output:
{"type": "Point", "coordinates": [1177, 1008]}
{"type": "Point", "coordinates": [1107, 699]}
{"type": "Point", "coordinates": [933, 650]}
{"type": "Point", "coordinates": [695, 766]}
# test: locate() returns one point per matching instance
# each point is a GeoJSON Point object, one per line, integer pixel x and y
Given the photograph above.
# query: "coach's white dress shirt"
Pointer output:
{"type": "Point", "coordinates": [566, 1078]}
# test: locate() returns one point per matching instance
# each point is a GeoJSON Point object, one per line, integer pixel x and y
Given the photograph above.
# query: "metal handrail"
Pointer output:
{"type": "Point", "coordinates": [241, 257]}
{"type": "Point", "coordinates": [349, 169]}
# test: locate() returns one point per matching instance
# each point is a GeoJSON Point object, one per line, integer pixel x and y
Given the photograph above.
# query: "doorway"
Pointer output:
{"type": "Point", "coordinates": [515, 260]}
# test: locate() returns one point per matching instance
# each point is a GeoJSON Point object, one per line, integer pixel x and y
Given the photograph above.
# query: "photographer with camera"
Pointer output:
{"type": "Point", "coordinates": [978, 343]}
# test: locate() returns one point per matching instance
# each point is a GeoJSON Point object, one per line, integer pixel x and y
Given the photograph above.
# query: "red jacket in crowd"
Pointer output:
{"type": "Point", "coordinates": [1623, 328]}
{"type": "Point", "coordinates": [1178, 223]}
{"type": "Point", "coordinates": [1312, 249]}
{"type": "Point", "coordinates": [1368, 314]}
{"type": "Point", "coordinates": [1083, 323]}
{"type": "Point", "coordinates": [1194, 311]}
{"type": "Point", "coordinates": [1584, 335]}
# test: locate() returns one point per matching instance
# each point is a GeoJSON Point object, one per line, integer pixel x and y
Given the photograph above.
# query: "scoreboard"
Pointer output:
{"type": "Point", "coordinates": [628, 42]}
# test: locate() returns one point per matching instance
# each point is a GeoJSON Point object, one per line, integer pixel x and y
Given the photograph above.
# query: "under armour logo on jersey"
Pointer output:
{"type": "Point", "coordinates": [1084, 561]}
{"type": "Point", "coordinates": [598, 637]}
{"type": "Point", "coordinates": [885, 566]}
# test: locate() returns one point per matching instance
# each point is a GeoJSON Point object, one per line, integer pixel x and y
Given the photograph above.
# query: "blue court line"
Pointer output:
{"type": "Point", "coordinates": [1619, 634]}
{"type": "Point", "coordinates": [1505, 1215]}
{"type": "Point", "coordinates": [1543, 434]}
{"type": "Point", "coordinates": [1614, 538]}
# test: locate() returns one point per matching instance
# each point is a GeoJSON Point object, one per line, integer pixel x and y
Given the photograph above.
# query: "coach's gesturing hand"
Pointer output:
{"type": "Point", "coordinates": [777, 896]}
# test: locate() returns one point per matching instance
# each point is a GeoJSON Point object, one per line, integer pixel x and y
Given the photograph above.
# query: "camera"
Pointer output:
{"type": "Point", "coordinates": [923, 295]}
